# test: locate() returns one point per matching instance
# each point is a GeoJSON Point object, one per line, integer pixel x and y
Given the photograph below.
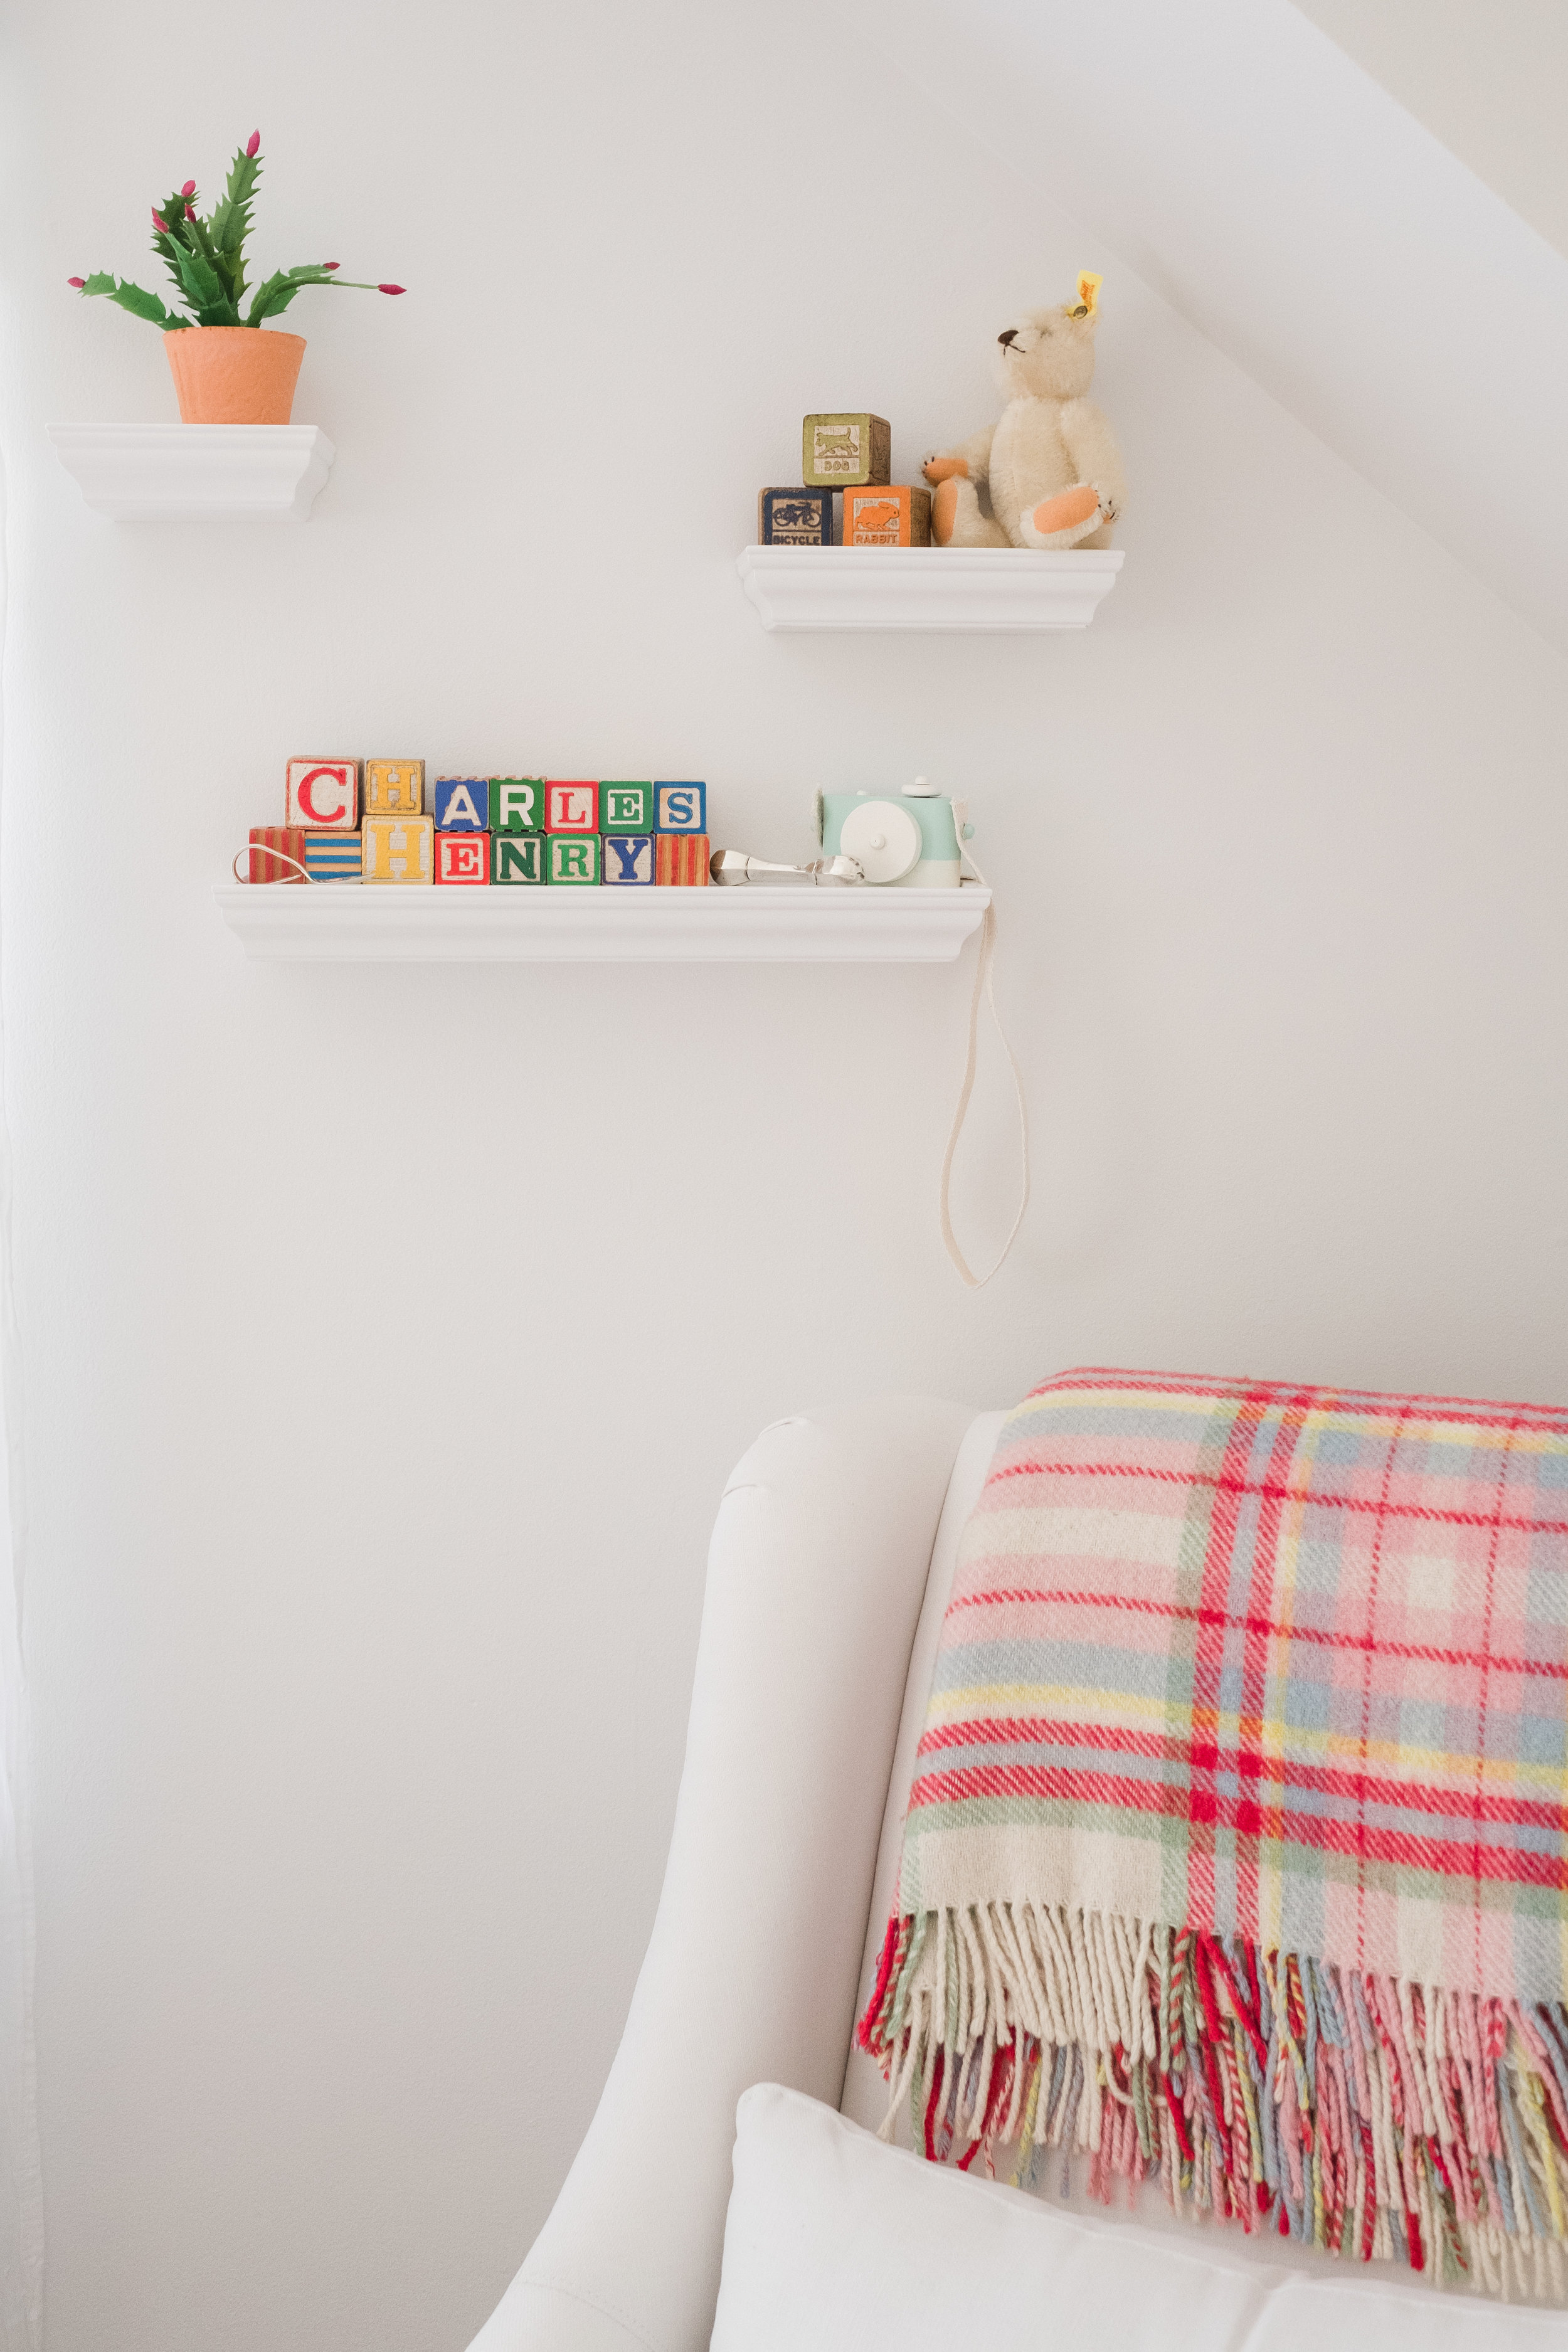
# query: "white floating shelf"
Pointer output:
{"type": "Point", "coordinates": [927, 587]}
{"type": "Point", "coordinates": [196, 473]}
{"type": "Point", "coordinates": [348, 922]}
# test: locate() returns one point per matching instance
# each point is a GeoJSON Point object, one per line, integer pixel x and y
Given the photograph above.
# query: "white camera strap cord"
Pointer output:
{"type": "Point", "coordinates": [984, 978]}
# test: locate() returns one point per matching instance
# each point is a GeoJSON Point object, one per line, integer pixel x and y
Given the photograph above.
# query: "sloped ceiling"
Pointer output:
{"type": "Point", "coordinates": [1303, 220]}
{"type": "Point", "coordinates": [1488, 78]}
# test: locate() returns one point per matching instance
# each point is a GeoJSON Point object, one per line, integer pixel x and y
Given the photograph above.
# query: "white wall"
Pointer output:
{"type": "Point", "coordinates": [1488, 79]}
{"type": "Point", "coordinates": [386, 1334]}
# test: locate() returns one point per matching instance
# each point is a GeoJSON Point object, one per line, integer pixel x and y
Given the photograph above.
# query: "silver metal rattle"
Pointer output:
{"type": "Point", "coordinates": [732, 865]}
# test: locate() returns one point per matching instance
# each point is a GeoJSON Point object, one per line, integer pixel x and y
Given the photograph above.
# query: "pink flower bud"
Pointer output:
{"type": "Point", "coordinates": [76, 281]}
{"type": "Point", "coordinates": [392, 289]}
{"type": "Point", "coordinates": [253, 142]}
{"type": "Point", "coordinates": [159, 222]}
{"type": "Point", "coordinates": [189, 189]}
{"type": "Point", "coordinates": [332, 265]}
{"type": "Point", "coordinates": [189, 212]}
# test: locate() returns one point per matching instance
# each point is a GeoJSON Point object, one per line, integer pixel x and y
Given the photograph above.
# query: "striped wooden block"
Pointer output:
{"type": "Point", "coordinates": [393, 787]}
{"type": "Point", "coordinates": [290, 839]}
{"type": "Point", "coordinates": [463, 857]}
{"type": "Point", "coordinates": [334, 856]}
{"type": "Point", "coordinates": [399, 848]}
{"type": "Point", "coordinates": [896, 515]}
{"type": "Point", "coordinates": [680, 860]}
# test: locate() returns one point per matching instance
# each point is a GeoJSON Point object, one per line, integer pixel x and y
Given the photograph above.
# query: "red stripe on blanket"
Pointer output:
{"type": "Point", "coordinates": [1208, 1657]}
{"type": "Point", "coordinates": [1210, 1810]}
{"type": "Point", "coordinates": [1267, 1489]}
{"type": "Point", "coordinates": [1139, 1605]}
{"type": "Point", "coordinates": [1468, 1412]}
{"type": "Point", "coordinates": [1318, 1780]}
{"type": "Point", "coordinates": [1255, 1644]}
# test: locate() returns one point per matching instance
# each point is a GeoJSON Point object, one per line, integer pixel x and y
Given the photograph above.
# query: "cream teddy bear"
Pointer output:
{"type": "Point", "coordinates": [1051, 464]}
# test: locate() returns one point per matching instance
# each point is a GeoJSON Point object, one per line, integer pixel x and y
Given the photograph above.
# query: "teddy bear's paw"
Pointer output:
{"type": "Point", "coordinates": [944, 511]}
{"type": "Point", "coordinates": [1068, 516]}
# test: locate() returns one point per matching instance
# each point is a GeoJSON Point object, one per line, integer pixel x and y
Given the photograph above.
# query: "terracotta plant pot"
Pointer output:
{"type": "Point", "coordinates": [234, 375]}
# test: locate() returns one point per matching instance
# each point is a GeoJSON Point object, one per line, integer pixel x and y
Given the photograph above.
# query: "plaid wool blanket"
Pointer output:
{"type": "Point", "coordinates": [1237, 1848]}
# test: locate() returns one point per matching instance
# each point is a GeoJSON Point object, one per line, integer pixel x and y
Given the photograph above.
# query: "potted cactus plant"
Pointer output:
{"type": "Point", "coordinates": [226, 371]}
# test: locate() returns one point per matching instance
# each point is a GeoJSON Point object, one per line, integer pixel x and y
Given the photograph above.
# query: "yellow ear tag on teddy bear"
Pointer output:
{"type": "Point", "coordinates": [1087, 295]}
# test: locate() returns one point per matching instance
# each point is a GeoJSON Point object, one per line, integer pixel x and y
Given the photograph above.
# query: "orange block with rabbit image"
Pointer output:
{"type": "Point", "coordinates": [892, 514]}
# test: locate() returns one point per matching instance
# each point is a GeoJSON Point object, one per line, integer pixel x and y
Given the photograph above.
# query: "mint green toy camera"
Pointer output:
{"type": "Point", "coordinates": [912, 843]}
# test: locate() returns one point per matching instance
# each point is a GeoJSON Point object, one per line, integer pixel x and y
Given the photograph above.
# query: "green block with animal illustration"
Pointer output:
{"type": "Point", "coordinates": [845, 449]}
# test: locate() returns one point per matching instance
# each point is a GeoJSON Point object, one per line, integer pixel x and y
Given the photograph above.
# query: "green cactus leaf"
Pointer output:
{"type": "Point", "coordinates": [274, 294]}
{"type": "Point", "coordinates": [134, 299]}
{"type": "Point", "coordinates": [280, 288]}
{"type": "Point", "coordinates": [164, 241]}
{"type": "Point", "coordinates": [283, 285]}
{"type": "Point", "coordinates": [231, 220]}
{"type": "Point", "coordinates": [228, 268]}
{"type": "Point", "coordinates": [204, 289]}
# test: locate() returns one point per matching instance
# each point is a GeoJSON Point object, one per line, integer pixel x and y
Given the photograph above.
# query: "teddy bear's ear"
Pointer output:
{"type": "Point", "coordinates": [1087, 302]}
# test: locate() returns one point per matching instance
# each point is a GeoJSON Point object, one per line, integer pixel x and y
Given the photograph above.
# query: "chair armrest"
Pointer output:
{"type": "Point", "coordinates": [816, 1576]}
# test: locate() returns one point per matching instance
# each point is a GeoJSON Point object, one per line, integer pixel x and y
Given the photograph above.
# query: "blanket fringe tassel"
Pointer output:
{"type": "Point", "coordinates": [1375, 2118]}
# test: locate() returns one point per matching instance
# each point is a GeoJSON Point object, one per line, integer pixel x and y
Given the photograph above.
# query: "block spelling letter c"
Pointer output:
{"type": "Point", "coordinates": [307, 804]}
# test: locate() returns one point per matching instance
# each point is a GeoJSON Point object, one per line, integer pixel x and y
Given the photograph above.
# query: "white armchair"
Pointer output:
{"type": "Point", "coordinates": [828, 1576]}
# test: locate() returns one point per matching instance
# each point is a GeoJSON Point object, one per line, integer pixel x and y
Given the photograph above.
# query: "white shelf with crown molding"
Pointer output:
{"type": "Point", "coordinates": [196, 473]}
{"type": "Point", "coordinates": [946, 588]}
{"type": "Point", "coordinates": [355, 922]}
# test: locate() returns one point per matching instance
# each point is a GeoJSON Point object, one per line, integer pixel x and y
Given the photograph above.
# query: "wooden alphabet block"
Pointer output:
{"type": "Point", "coordinates": [571, 808]}
{"type": "Point", "coordinates": [287, 838]}
{"type": "Point", "coordinates": [680, 860]}
{"type": "Point", "coordinates": [463, 857]}
{"type": "Point", "coordinates": [516, 805]}
{"type": "Point", "coordinates": [399, 848]}
{"type": "Point", "coordinates": [573, 858]}
{"type": "Point", "coordinates": [681, 808]}
{"type": "Point", "coordinates": [840, 449]}
{"type": "Point", "coordinates": [517, 858]}
{"type": "Point", "coordinates": [462, 804]}
{"type": "Point", "coordinates": [794, 517]}
{"type": "Point", "coordinates": [323, 794]}
{"type": "Point", "coordinates": [393, 787]}
{"type": "Point", "coordinates": [625, 808]}
{"type": "Point", "coordinates": [628, 858]}
{"type": "Point", "coordinates": [898, 515]}
{"type": "Point", "coordinates": [334, 856]}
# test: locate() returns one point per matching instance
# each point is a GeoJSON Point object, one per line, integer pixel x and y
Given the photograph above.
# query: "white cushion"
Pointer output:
{"type": "Point", "coordinates": [836, 2243]}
